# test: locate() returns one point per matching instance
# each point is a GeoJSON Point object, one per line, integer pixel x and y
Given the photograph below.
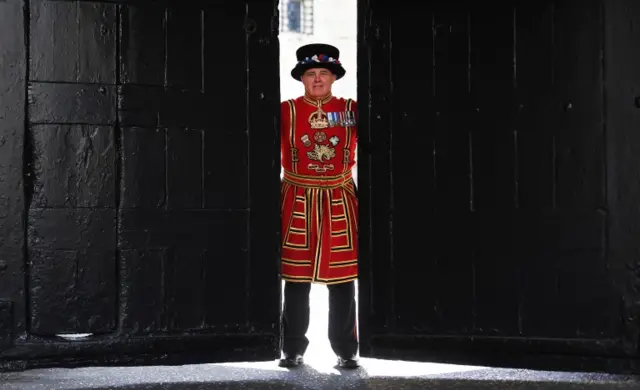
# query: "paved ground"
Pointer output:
{"type": "Point", "coordinates": [374, 374]}
{"type": "Point", "coordinates": [319, 373]}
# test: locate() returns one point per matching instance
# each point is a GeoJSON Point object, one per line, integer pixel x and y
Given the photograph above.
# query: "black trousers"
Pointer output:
{"type": "Point", "coordinates": [343, 334]}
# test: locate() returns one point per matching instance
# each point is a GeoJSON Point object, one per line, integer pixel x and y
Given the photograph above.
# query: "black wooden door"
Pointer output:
{"type": "Point", "coordinates": [138, 182]}
{"type": "Point", "coordinates": [499, 183]}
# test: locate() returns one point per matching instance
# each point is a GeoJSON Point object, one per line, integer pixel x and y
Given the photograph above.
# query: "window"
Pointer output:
{"type": "Point", "coordinates": [296, 16]}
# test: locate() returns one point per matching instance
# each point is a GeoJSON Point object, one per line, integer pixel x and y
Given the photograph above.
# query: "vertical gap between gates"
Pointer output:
{"type": "Point", "coordinates": [333, 22]}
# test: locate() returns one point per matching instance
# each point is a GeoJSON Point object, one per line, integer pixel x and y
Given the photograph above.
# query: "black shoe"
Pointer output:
{"type": "Point", "coordinates": [351, 362]}
{"type": "Point", "coordinates": [290, 361]}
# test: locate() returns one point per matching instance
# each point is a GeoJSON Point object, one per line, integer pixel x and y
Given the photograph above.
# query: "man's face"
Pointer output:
{"type": "Point", "coordinates": [317, 82]}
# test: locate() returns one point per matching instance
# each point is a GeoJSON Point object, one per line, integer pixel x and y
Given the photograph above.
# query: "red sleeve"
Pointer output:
{"type": "Point", "coordinates": [354, 108]}
{"type": "Point", "coordinates": [284, 127]}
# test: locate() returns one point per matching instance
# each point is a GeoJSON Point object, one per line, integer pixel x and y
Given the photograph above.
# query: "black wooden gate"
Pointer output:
{"type": "Point", "coordinates": [138, 182]}
{"type": "Point", "coordinates": [500, 209]}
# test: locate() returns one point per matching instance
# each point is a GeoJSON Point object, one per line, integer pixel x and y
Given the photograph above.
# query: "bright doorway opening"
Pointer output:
{"type": "Point", "coordinates": [333, 22]}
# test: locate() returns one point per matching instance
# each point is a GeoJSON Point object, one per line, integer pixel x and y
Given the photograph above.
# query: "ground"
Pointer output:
{"type": "Point", "coordinates": [319, 373]}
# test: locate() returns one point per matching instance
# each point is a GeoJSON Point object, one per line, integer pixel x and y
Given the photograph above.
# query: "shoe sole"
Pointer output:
{"type": "Point", "coordinates": [290, 364]}
{"type": "Point", "coordinates": [350, 365]}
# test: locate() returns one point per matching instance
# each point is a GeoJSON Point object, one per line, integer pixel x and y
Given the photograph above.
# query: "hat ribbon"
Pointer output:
{"type": "Point", "coordinates": [319, 58]}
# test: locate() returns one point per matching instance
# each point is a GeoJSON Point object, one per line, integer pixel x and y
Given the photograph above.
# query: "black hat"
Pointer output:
{"type": "Point", "coordinates": [318, 55]}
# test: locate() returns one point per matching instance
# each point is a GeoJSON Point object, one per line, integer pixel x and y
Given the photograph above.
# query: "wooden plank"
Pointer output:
{"type": "Point", "coordinates": [412, 150]}
{"type": "Point", "coordinates": [492, 132]}
{"type": "Point", "coordinates": [13, 90]}
{"type": "Point", "coordinates": [622, 142]}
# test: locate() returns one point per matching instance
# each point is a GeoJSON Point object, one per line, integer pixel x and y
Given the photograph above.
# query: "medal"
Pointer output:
{"type": "Point", "coordinates": [332, 118]}
{"type": "Point", "coordinates": [342, 119]}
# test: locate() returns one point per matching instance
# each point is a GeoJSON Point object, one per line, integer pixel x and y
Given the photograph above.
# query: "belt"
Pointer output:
{"type": "Point", "coordinates": [324, 182]}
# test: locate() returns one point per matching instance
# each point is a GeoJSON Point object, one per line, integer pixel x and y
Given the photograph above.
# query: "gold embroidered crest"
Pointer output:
{"type": "Point", "coordinates": [321, 152]}
{"type": "Point", "coordinates": [318, 119]}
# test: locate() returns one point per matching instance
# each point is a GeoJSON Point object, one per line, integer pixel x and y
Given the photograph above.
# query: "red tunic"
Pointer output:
{"type": "Point", "coordinates": [319, 204]}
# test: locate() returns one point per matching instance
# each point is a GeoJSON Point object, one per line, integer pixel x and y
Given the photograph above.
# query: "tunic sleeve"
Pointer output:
{"type": "Point", "coordinates": [354, 108]}
{"type": "Point", "coordinates": [284, 126]}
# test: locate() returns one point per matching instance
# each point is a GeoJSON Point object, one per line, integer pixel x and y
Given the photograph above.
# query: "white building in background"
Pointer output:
{"type": "Point", "coordinates": [334, 22]}
{"type": "Point", "coordinates": [318, 21]}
